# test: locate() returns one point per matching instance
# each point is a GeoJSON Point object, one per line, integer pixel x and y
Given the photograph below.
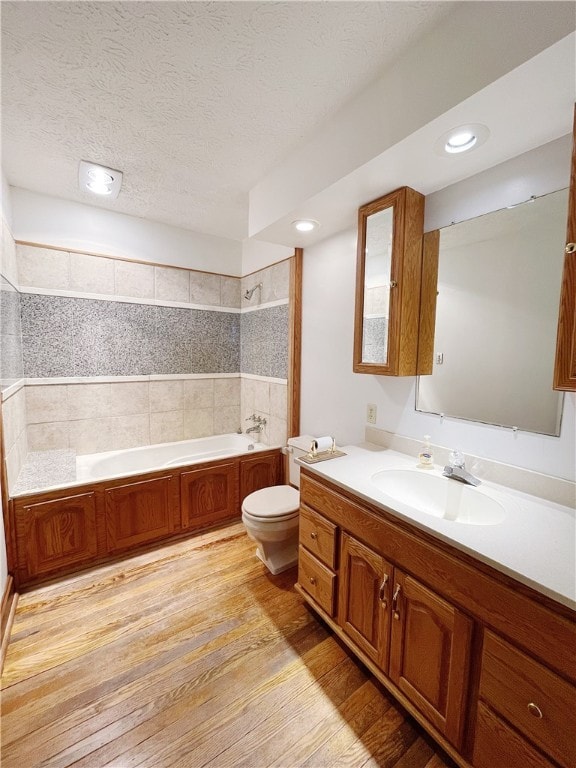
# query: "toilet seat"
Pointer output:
{"type": "Point", "coordinates": [273, 504]}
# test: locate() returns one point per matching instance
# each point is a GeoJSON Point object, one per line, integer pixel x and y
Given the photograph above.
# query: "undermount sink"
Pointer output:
{"type": "Point", "coordinates": [439, 496]}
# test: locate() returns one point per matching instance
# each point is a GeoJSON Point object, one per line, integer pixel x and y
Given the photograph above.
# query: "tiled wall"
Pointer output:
{"type": "Point", "coordinates": [14, 433]}
{"type": "Point", "coordinates": [11, 370]}
{"type": "Point", "coordinates": [65, 337]}
{"type": "Point", "coordinates": [86, 316]}
{"type": "Point", "coordinates": [263, 342]}
{"type": "Point", "coordinates": [98, 275]}
{"type": "Point", "coordinates": [11, 366]}
{"type": "Point", "coordinates": [90, 418]}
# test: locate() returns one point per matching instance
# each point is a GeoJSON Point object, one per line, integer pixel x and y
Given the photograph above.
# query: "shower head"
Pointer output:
{"type": "Point", "coordinates": [248, 294]}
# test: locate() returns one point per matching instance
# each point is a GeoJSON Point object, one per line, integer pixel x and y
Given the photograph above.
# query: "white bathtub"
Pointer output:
{"type": "Point", "coordinates": [99, 466]}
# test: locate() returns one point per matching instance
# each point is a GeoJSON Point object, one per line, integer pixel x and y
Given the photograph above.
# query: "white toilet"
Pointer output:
{"type": "Point", "coordinates": [271, 514]}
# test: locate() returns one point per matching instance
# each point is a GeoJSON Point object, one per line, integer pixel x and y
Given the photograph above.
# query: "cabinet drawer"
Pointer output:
{"type": "Point", "coordinates": [318, 535]}
{"type": "Point", "coordinates": [531, 697]}
{"type": "Point", "coordinates": [317, 580]}
{"type": "Point", "coordinates": [496, 744]}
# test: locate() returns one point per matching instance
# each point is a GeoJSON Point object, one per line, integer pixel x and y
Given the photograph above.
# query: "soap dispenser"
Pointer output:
{"type": "Point", "coordinates": [426, 456]}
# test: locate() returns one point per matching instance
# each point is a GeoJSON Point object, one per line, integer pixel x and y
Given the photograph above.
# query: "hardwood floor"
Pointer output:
{"type": "Point", "coordinates": [192, 655]}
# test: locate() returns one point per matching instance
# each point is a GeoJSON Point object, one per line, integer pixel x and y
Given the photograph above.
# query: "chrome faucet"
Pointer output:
{"type": "Point", "coordinates": [259, 424]}
{"type": "Point", "coordinates": [456, 469]}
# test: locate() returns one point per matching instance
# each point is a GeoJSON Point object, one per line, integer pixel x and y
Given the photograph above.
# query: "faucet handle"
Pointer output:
{"type": "Point", "coordinates": [457, 458]}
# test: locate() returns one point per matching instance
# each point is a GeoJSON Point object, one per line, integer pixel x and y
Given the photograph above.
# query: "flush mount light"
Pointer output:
{"type": "Point", "coordinates": [462, 139]}
{"type": "Point", "coordinates": [99, 180]}
{"type": "Point", "coordinates": [305, 225]}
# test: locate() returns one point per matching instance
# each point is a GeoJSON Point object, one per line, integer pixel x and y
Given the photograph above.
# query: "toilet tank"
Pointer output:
{"type": "Point", "coordinates": [297, 446]}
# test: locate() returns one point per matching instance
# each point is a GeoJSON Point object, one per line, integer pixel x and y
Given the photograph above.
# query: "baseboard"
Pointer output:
{"type": "Point", "coordinates": [7, 610]}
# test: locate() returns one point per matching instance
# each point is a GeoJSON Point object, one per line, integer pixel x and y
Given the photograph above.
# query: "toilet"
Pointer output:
{"type": "Point", "coordinates": [271, 515]}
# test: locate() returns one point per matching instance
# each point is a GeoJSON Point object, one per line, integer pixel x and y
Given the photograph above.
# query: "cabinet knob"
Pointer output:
{"type": "Point", "coordinates": [312, 581]}
{"type": "Point", "coordinates": [393, 283]}
{"type": "Point", "coordinates": [570, 248]}
{"type": "Point", "coordinates": [313, 535]}
{"type": "Point", "coordinates": [535, 710]}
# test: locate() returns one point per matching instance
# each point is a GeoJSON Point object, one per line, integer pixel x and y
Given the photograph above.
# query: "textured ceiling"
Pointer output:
{"type": "Point", "coordinates": [194, 101]}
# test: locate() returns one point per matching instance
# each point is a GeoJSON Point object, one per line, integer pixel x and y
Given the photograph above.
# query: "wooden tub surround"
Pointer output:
{"type": "Point", "coordinates": [61, 531]}
{"type": "Point", "coordinates": [484, 663]}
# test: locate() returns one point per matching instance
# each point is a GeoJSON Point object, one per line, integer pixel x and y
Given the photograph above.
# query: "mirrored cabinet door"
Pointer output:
{"type": "Point", "coordinates": [565, 369]}
{"type": "Point", "coordinates": [388, 285]}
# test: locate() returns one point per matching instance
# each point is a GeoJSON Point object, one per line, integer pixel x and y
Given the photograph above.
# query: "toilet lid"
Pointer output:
{"type": "Point", "coordinates": [274, 502]}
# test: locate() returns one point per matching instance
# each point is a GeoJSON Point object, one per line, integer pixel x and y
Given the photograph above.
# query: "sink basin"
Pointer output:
{"type": "Point", "coordinates": [440, 497]}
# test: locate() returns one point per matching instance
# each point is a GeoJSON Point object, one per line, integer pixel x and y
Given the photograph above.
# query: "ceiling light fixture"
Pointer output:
{"type": "Point", "coordinates": [462, 139]}
{"type": "Point", "coordinates": [99, 179]}
{"type": "Point", "coordinates": [305, 225]}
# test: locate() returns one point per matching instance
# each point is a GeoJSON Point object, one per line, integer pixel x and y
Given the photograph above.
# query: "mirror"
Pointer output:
{"type": "Point", "coordinates": [499, 279]}
{"type": "Point", "coordinates": [376, 305]}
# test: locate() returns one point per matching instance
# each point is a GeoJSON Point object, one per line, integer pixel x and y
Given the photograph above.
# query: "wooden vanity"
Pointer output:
{"type": "Point", "coordinates": [484, 663]}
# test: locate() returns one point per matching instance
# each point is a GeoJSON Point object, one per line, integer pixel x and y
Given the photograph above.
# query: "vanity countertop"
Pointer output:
{"type": "Point", "coordinates": [535, 543]}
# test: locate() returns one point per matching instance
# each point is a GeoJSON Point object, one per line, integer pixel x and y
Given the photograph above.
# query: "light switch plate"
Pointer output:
{"type": "Point", "coordinates": [371, 411]}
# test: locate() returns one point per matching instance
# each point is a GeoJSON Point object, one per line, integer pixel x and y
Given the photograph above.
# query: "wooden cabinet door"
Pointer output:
{"type": "Point", "coordinates": [54, 535]}
{"type": "Point", "coordinates": [138, 513]}
{"type": "Point", "coordinates": [364, 598]}
{"type": "Point", "coordinates": [429, 654]}
{"type": "Point", "coordinates": [260, 472]}
{"type": "Point", "coordinates": [209, 495]}
{"type": "Point", "coordinates": [565, 368]}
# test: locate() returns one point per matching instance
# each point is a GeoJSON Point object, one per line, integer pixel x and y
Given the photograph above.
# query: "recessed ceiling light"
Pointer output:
{"type": "Point", "coordinates": [462, 139]}
{"type": "Point", "coordinates": [99, 179]}
{"type": "Point", "coordinates": [305, 225]}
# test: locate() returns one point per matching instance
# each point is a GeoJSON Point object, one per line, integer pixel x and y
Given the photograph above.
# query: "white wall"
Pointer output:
{"type": "Point", "coordinates": [258, 255]}
{"type": "Point", "coordinates": [334, 399]}
{"type": "Point", "coordinates": [47, 220]}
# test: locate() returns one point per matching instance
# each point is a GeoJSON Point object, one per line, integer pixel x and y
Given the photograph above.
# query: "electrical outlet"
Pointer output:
{"type": "Point", "coordinates": [371, 413]}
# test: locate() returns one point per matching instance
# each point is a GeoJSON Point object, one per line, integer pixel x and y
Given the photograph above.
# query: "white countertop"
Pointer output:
{"type": "Point", "coordinates": [535, 543]}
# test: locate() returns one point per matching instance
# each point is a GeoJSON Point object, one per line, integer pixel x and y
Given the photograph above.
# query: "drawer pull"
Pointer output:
{"type": "Point", "coordinates": [396, 613]}
{"type": "Point", "coordinates": [382, 592]}
{"type": "Point", "coordinates": [313, 535]}
{"type": "Point", "coordinates": [535, 710]}
{"type": "Point", "coordinates": [312, 581]}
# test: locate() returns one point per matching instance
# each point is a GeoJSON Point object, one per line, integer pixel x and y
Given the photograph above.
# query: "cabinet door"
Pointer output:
{"type": "Point", "coordinates": [260, 472]}
{"type": "Point", "coordinates": [364, 597]}
{"type": "Point", "coordinates": [565, 368]}
{"type": "Point", "coordinates": [54, 535]}
{"type": "Point", "coordinates": [138, 513]}
{"type": "Point", "coordinates": [429, 654]}
{"type": "Point", "coordinates": [209, 495]}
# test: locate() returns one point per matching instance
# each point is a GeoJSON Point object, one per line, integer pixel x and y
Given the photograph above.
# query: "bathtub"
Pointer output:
{"type": "Point", "coordinates": [112, 464]}
{"type": "Point", "coordinates": [118, 502]}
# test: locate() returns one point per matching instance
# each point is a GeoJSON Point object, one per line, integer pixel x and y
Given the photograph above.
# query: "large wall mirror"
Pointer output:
{"type": "Point", "coordinates": [499, 279]}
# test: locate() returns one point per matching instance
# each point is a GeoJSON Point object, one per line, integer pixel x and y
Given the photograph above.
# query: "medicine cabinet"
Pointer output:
{"type": "Point", "coordinates": [395, 288]}
{"type": "Point", "coordinates": [565, 369]}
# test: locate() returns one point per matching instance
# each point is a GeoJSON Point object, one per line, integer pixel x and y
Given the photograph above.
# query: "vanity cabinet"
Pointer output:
{"type": "Point", "coordinates": [474, 656]}
{"type": "Point", "coordinates": [516, 689]}
{"type": "Point", "coordinates": [363, 605]}
{"type": "Point", "coordinates": [565, 368]}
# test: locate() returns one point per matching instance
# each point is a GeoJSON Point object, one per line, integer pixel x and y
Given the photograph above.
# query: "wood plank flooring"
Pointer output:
{"type": "Point", "coordinates": [192, 656]}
